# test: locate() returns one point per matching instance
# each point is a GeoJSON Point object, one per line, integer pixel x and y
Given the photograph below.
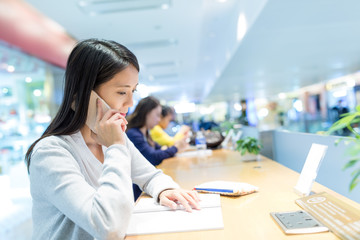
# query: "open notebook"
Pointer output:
{"type": "Point", "coordinates": [149, 217]}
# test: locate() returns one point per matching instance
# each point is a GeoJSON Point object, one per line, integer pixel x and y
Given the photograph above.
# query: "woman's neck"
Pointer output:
{"type": "Point", "coordinates": [143, 130]}
{"type": "Point", "coordinates": [94, 147]}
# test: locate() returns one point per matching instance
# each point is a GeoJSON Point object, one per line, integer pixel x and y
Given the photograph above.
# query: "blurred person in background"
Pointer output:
{"type": "Point", "coordinates": [146, 116]}
{"type": "Point", "coordinates": [158, 133]}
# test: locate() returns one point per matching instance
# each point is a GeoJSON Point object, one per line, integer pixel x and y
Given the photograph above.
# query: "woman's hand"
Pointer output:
{"type": "Point", "coordinates": [110, 127]}
{"type": "Point", "coordinates": [184, 130]}
{"type": "Point", "coordinates": [181, 145]}
{"type": "Point", "coordinates": [172, 197]}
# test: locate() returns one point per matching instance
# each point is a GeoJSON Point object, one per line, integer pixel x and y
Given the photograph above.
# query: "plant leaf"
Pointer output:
{"type": "Point", "coordinates": [350, 163]}
{"type": "Point", "coordinates": [355, 180]}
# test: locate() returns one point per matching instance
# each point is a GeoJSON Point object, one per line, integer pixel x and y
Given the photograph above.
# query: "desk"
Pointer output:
{"type": "Point", "coordinates": [247, 217]}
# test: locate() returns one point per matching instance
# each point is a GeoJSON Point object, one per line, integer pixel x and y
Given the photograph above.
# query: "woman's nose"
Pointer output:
{"type": "Point", "coordinates": [129, 102]}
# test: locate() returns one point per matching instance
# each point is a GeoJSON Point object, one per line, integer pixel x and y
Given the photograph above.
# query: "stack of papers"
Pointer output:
{"type": "Point", "coordinates": [226, 188]}
{"type": "Point", "coordinates": [149, 217]}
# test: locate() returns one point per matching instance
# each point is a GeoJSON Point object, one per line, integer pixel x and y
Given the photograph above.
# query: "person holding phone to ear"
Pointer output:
{"type": "Point", "coordinates": [81, 173]}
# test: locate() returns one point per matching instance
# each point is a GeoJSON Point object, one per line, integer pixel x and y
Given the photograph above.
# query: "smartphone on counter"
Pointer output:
{"type": "Point", "coordinates": [92, 110]}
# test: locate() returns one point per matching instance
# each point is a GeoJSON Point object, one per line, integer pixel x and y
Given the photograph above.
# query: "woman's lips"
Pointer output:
{"type": "Point", "coordinates": [123, 114]}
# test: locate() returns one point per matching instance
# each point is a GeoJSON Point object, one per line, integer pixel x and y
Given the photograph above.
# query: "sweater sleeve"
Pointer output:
{"type": "Point", "coordinates": [146, 176]}
{"type": "Point", "coordinates": [154, 156]}
{"type": "Point", "coordinates": [55, 177]}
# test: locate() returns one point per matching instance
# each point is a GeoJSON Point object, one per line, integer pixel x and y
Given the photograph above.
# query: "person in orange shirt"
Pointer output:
{"type": "Point", "coordinates": [160, 136]}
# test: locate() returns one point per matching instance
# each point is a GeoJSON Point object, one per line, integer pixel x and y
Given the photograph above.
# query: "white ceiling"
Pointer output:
{"type": "Point", "coordinates": [190, 49]}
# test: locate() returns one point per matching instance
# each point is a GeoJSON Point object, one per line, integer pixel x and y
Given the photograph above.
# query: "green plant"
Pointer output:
{"type": "Point", "coordinates": [226, 126]}
{"type": "Point", "coordinates": [349, 121]}
{"type": "Point", "coordinates": [248, 145]}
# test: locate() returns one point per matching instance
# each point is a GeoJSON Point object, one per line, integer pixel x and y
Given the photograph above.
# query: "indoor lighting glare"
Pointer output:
{"type": "Point", "coordinates": [350, 82]}
{"type": "Point", "coordinates": [185, 107]}
{"type": "Point", "coordinates": [39, 129]}
{"type": "Point", "coordinates": [282, 95]}
{"type": "Point", "coordinates": [165, 6]}
{"type": "Point", "coordinates": [37, 93]}
{"type": "Point", "coordinates": [340, 93]}
{"type": "Point", "coordinates": [206, 110]}
{"type": "Point", "coordinates": [10, 68]}
{"type": "Point", "coordinates": [241, 27]}
{"type": "Point", "coordinates": [237, 107]}
{"type": "Point", "coordinates": [298, 105]}
{"type": "Point", "coordinates": [42, 118]}
{"type": "Point", "coordinates": [5, 90]}
{"type": "Point", "coordinates": [143, 90]}
{"type": "Point", "coordinates": [263, 112]}
{"type": "Point", "coordinates": [28, 79]}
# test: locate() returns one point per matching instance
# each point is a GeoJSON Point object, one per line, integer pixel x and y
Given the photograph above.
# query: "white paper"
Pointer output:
{"type": "Point", "coordinates": [149, 220]}
{"type": "Point", "coordinates": [151, 205]}
{"type": "Point", "coordinates": [196, 153]}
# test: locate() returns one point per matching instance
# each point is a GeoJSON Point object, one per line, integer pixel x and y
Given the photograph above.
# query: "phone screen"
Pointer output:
{"type": "Point", "coordinates": [91, 116]}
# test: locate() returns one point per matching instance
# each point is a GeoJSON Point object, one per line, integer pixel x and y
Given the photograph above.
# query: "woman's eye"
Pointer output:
{"type": "Point", "coordinates": [134, 90]}
{"type": "Point", "coordinates": [122, 93]}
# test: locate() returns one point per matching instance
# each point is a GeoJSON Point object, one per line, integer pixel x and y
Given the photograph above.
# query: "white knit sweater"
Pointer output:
{"type": "Point", "coordinates": [77, 197]}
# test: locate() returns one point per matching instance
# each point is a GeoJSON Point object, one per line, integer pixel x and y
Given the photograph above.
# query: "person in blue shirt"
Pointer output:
{"type": "Point", "coordinates": [146, 116]}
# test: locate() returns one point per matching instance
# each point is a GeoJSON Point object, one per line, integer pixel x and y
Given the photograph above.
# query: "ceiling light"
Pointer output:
{"type": "Point", "coordinates": [28, 79]}
{"type": "Point", "coordinates": [241, 27]}
{"type": "Point", "coordinates": [185, 107]}
{"type": "Point", "coordinates": [97, 7]}
{"type": "Point", "coordinates": [37, 92]}
{"type": "Point", "coordinates": [153, 44]}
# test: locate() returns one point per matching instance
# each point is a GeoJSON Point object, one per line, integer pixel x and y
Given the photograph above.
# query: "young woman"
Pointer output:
{"type": "Point", "coordinates": [145, 116]}
{"type": "Point", "coordinates": [81, 181]}
{"type": "Point", "coordinates": [158, 134]}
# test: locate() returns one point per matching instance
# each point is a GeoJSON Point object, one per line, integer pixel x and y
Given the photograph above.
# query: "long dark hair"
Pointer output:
{"type": "Point", "coordinates": [138, 118]}
{"type": "Point", "coordinates": [91, 63]}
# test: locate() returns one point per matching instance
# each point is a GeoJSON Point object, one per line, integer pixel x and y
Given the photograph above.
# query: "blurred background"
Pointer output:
{"type": "Point", "coordinates": [291, 65]}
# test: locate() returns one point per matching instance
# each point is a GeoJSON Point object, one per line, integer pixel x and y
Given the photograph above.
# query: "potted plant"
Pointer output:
{"type": "Point", "coordinates": [249, 147]}
{"type": "Point", "coordinates": [349, 121]}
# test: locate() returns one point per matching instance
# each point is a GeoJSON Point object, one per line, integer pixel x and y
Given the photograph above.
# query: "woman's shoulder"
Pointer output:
{"type": "Point", "coordinates": [61, 141]}
{"type": "Point", "coordinates": [133, 132]}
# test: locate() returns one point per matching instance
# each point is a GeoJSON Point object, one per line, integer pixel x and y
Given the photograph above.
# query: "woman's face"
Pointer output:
{"type": "Point", "coordinates": [118, 91]}
{"type": "Point", "coordinates": [164, 122]}
{"type": "Point", "coordinates": [153, 117]}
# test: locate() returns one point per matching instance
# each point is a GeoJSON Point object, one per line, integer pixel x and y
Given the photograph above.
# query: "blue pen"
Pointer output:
{"type": "Point", "coordinates": [215, 190]}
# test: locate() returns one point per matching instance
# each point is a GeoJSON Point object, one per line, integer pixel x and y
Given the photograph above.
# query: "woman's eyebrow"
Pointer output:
{"type": "Point", "coordinates": [127, 86]}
